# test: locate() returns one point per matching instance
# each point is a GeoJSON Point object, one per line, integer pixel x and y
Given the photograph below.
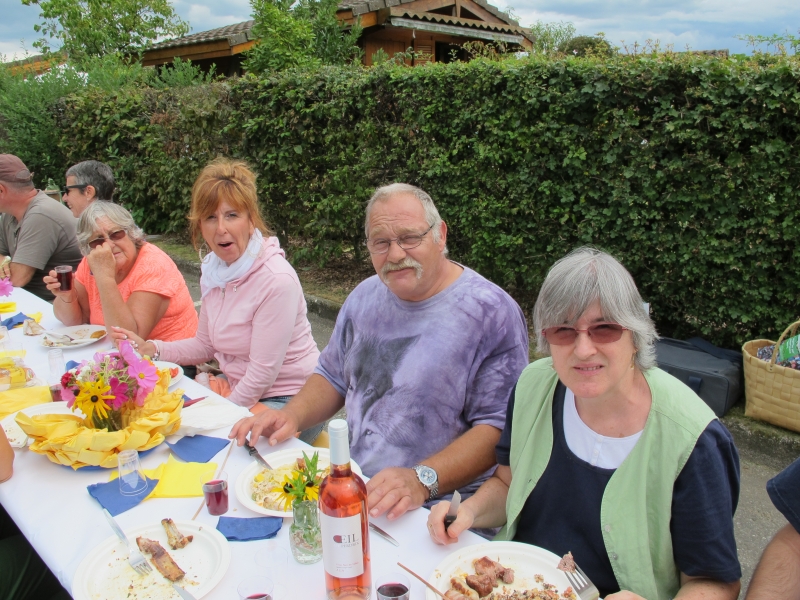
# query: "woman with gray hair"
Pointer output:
{"type": "Point", "coordinates": [124, 281]}
{"type": "Point", "coordinates": [605, 455]}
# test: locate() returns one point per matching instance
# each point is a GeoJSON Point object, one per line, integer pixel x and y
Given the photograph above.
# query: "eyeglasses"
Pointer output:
{"type": "Point", "coordinates": [599, 333]}
{"type": "Point", "coordinates": [114, 236]}
{"type": "Point", "coordinates": [406, 242]}
{"type": "Point", "coordinates": [66, 190]}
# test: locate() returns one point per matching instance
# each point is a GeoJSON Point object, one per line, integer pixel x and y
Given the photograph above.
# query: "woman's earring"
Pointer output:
{"type": "Point", "coordinates": [201, 252]}
{"type": "Point", "coordinates": [633, 358]}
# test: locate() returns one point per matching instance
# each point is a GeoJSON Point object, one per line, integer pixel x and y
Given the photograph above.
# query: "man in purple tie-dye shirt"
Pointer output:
{"type": "Point", "coordinates": [423, 357]}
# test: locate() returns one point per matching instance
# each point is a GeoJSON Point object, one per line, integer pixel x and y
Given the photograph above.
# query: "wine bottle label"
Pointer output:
{"type": "Point", "coordinates": [342, 546]}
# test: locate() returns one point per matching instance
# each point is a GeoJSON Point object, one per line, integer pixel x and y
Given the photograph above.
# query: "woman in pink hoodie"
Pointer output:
{"type": "Point", "coordinates": [253, 317]}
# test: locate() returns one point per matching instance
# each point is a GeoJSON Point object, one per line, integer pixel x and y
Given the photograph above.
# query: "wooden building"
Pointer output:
{"type": "Point", "coordinates": [433, 29]}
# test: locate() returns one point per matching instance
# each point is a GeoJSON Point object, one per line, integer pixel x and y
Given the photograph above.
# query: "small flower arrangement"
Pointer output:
{"type": "Point", "coordinates": [302, 483]}
{"type": "Point", "coordinates": [109, 386]}
{"type": "Point", "coordinates": [6, 287]}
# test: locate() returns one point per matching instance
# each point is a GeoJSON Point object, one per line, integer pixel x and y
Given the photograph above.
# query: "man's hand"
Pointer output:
{"type": "Point", "coordinates": [5, 267]}
{"type": "Point", "coordinates": [395, 490]}
{"type": "Point", "coordinates": [102, 262]}
{"type": "Point", "coordinates": [279, 425]}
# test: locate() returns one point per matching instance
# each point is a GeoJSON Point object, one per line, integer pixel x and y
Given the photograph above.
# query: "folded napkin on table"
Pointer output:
{"type": "Point", "coordinates": [71, 364]}
{"type": "Point", "coordinates": [198, 448]}
{"type": "Point", "coordinates": [19, 318]}
{"type": "Point", "coordinates": [209, 414]}
{"type": "Point", "coordinates": [13, 400]}
{"type": "Point", "coordinates": [176, 479]}
{"type": "Point", "coordinates": [110, 498]}
{"type": "Point", "coordinates": [245, 530]}
{"type": "Point", "coordinates": [8, 307]}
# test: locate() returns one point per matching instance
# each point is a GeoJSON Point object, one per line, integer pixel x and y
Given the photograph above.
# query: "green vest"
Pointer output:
{"type": "Point", "coordinates": [637, 503]}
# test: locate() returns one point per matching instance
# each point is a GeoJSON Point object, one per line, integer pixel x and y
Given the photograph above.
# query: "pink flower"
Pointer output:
{"type": "Point", "coordinates": [68, 395]}
{"type": "Point", "coordinates": [6, 287]}
{"type": "Point", "coordinates": [127, 352]}
{"type": "Point", "coordinates": [144, 373]}
{"type": "Point", "coordinates": [120, 391]}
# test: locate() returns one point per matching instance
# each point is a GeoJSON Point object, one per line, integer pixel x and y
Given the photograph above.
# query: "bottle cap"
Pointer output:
{"type": "Point", "coordinates": [338, 431]}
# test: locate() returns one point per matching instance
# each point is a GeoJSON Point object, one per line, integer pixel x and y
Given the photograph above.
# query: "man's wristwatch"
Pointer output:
{"type": "Point", "coordinates": [429, 478]}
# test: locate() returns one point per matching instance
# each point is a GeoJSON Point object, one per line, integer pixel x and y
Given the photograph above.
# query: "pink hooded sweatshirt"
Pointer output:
{"type": "Point", "coordinates": [257, 330]}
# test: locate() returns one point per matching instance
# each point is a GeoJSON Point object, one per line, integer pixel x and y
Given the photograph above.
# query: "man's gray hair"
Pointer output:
{"type": "Point", "coordinates": [115, 213]}
{"type": "Point", "coordinates": [96, 174]}
{"type": "Point", "coordinates": [582, 277]}
{"type": "Point", "coordinates": [395, 189]}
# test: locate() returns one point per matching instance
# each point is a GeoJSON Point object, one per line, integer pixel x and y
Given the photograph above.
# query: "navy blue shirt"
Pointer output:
{"type": "Point", "coordinates": [562, 513]}
{"type": "Point", "coordinates": [784, 491]}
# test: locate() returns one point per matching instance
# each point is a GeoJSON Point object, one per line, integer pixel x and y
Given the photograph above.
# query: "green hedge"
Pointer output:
{"type": "Point", "coordinates": [685, 167]}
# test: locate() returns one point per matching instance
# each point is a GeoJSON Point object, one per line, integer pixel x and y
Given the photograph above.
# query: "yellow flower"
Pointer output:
{"type": "Point", "coordinates": [312, 491]}
{"type": "Point", "coordinates": [92, 398]}
{"type": "Point", "coordinates": [286, 492]}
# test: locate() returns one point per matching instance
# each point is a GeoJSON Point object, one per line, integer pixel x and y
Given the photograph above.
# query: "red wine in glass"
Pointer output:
{"type": "Point", "coordinates": [259, 597]}
{"type": "Point", "coordinates": [64, 276]}
{"type": "Point", "coordinates": [216, 494]}
{"type": "Point", "coordinates": [392, 591]}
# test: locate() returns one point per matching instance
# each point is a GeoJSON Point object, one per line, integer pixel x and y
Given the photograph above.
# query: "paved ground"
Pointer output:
{"type": "Point", "coordinates": [756, 519]}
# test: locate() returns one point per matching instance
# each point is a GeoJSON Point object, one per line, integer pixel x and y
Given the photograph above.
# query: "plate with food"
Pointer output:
{"type": "Point", "coordinates": [255, 484]}
{"type": "Point", "coordinates": [16, 437]}
{"type": "Point", "coordinates": [188, 553]}
{"type": "Point", "coordinates": [175, 371]}
{"type": "Point", "coordinates": [73, 337]}
{"type": "Point", "coordinates": [503, 568]}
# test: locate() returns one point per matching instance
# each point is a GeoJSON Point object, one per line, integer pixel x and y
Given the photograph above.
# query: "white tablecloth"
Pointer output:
{"type": "Point", "coordinates": [63, 522]}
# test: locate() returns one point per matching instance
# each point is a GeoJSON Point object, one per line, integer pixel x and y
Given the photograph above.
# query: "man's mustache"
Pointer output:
{"type": "Point", "coordinates": [406, 263]}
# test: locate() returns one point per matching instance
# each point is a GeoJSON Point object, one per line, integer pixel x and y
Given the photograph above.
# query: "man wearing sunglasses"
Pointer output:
{"type": "Point", "coordinates": [421, 357]}
{"type": "Point", "coordinates": [36, 233]}
{"type": "Point", "coordinates": [87, 181]}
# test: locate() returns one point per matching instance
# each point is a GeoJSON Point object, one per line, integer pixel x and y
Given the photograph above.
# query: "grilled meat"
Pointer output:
{"type": "Point", "coordinates": [160, 558]}
{"type": "Point", "coordinates": [486, 566]}
{"type": "Point", "coordinates": [175, 538]}
{"type": "Point", "coordinates": [483, 584]}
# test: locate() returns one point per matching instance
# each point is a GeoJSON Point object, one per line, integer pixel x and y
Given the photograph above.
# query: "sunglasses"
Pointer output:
{"type": "Point", "coordinates": [66, 190]}
{"type": "Point", "coordinates": [599, 333]}
{"type": "Point", "coordinates": [114, 236]}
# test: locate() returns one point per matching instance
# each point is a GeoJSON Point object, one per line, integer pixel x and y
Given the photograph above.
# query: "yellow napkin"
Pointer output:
{"type": "Point", "coordinates": [8, 307]}
{"type": "Point", "coordinates": [13, 400]}
{"type": "Point", "coordinates": [176, 479]}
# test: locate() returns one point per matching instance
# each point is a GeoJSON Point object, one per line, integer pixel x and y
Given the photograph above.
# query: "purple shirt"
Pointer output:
{"type": "Point", "coordinates": [417, 375]}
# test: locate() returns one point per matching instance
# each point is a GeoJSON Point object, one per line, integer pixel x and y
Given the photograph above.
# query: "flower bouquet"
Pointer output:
{"type": "Point", "coordinates": [124, 403]}
{"type": "Point", "coordinates": [300, 490]}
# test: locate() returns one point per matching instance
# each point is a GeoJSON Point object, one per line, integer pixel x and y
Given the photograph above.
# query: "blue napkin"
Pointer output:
{"type": "Point", "coordinates": [198, 448]}
{"type": "Point", "coordinates": [245, 530]}
{"type": "Point", "coordinates": [110, 498]}
{"type": "Point", "coordinates": [17, 319]}
{"type": "Point", "coordinates": [71, 364]}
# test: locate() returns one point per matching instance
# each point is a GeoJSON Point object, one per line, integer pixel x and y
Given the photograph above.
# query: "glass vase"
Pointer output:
{"type": "Point", "coordinates": [304, 534]}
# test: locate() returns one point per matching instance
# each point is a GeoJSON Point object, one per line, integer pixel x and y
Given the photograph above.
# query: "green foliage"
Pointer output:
{"type": "Point", "coordinates": [683, 166]}
{"type": "Point", "coordinates": [781, 43]}
{"type": "Point", "coordinates": [181, 73]}
{"type": "Point", "coordinates": [586, 45]}
{"type": "Point", "coordinates": [549, 36]}
{"type": "Point", "coordinates": [305, 34]}
{"type": "Point", "coordinates": [86, 28]}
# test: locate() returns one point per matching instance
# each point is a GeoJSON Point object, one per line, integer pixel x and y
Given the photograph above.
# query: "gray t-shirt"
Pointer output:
{"type": "Point", "coordinates": [417, 375]}
{"type": "Point", "coordinates": [45, 238]}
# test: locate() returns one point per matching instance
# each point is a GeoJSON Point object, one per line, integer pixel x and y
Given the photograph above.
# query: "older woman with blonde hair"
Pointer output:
{"type": "Point", "coordinates": [123, 280]}
{"type": "Point", "coordinates": [253, 317]}
{"type": "Point", "coordinates": [605, 455]}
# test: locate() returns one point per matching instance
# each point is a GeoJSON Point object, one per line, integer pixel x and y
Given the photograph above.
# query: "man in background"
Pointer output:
{"type": "Point", "coordinates": [88, 181]}
{"type": "Point", "coordinates": [36, 232]}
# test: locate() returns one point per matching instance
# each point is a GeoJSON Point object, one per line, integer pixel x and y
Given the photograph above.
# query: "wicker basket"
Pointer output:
{"type": "Point", "coordinates": [772, 391]}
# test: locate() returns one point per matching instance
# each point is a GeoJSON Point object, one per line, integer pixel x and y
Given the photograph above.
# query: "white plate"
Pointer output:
{"type": "Point", "coordinates": [105, 572]}
{"type": "Point", "coordinates": [162, 364]}
{"type": "Point", "coordinates": [526, 560]}
{"type": "Point", "coordinates": [16, 437]}
{"type": "Point", "coordinates": [80, 333]}
{"type": "Point", "coordinates": [244, 490]}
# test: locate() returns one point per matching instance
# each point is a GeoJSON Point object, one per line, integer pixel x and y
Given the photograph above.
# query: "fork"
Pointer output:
{"type": "Point", "coordinates": [582, 585]}
{"type": "Point", "coordinates": [136, 559]}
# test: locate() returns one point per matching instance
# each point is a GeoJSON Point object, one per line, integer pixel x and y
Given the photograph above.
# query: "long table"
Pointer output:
{"type": "Point", "coordinates": [64, 523]}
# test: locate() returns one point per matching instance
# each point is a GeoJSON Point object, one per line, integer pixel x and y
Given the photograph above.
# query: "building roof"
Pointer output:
{"type": "Point", "coordinates": [359, 7]}
{"type": "Point", "coordinates": [469, 23]}
{"type": "Point", "coordinates": [238, 33]}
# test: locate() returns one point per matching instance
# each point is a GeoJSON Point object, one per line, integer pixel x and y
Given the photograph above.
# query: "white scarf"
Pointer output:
{"type": "Point", "coordinates": [217, 274]}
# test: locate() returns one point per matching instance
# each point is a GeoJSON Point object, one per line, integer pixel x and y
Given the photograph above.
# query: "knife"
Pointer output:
{"type": "Point", "coordinates": [452, 512]}
{"type": "Point", "coordinates": [383, 534]}
{"type": "Point", "coordinates": [254, 453]}
{"type": "Point", "coordinates": [182, 592]}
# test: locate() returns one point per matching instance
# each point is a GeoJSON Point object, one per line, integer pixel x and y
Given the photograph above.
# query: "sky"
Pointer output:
{"type": "Point", "coordinates": [697, 24]}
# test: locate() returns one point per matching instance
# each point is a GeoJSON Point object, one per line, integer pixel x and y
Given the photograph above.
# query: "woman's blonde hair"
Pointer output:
{"type": "Point", "coordinates": [232, 181]}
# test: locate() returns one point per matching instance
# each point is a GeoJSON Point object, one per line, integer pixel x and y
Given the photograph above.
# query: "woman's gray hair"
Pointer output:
{"type": "Point", "coordinates": [96, 174]}
{"type": "Point", "coordinates": [118, 215]}
{"type": "Point", "coordinates": [431, 213]}
{"type": "Point", "coordinates": [582, 277]}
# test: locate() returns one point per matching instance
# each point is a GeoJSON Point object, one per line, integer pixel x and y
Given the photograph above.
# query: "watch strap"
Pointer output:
{"type": "Point", "coordinates": [433, 489]}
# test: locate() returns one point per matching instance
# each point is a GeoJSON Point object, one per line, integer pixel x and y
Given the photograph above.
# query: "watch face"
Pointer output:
{"type": "Point", "coordinates": [427, 476]}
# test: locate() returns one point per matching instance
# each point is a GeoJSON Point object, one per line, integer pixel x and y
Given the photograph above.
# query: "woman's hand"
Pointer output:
{"type": "Point", "coordinates": [143, 347]}
{"type": "Point", "coordinates": [464, 520]}
{"type": "Point", "coordinates": [624, 595]}
{"type": "Point", "coordinates": [51, 281]}
{"type": "Point", "coordinates": [102, 262]}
